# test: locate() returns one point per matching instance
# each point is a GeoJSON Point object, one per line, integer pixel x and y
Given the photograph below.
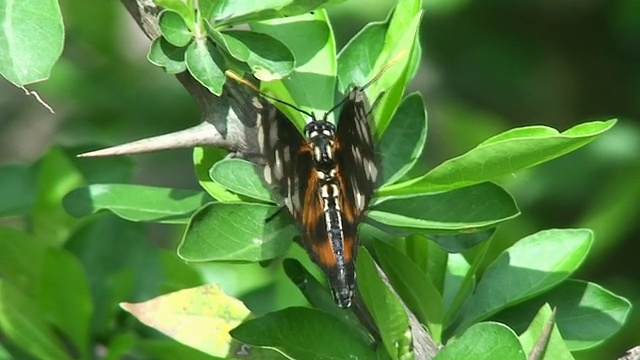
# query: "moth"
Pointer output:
{"type": "Point", "coordinates": [326, 179]}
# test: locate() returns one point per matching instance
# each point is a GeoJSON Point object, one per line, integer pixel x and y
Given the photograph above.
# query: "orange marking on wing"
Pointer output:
{"type": "Point", "coordinates": [311, 208]}
{"type": "Point", "coordinates": [348, 249]}
{"type": "Point", "coordinates": [324, 254]}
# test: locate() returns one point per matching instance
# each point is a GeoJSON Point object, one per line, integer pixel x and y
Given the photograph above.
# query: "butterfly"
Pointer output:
{"type": "Point", "coordinates": [326, 178]}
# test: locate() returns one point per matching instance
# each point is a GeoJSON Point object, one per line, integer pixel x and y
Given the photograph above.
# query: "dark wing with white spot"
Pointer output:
{"type": "Point", "coordinates": [355, 155]}
{"type": "Point", "coordinates": [288, 165]}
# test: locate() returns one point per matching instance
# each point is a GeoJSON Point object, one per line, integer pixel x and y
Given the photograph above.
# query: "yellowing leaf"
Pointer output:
{"type": "Point", "coordinates": [199, 317]}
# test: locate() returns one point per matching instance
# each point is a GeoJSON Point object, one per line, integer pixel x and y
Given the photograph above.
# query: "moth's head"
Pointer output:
{"type": "Point", "coordinates": [321, 135]}
{"type": "Point", "coordinates": [319, 129]}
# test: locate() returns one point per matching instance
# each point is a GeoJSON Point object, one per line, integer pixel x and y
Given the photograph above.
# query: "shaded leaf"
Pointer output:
{"type": "Point", "coordinates": [21, 260]}
{"type": "Point", "coordinates": [456, 271]}
{"type": "Point", "coordinates": [268, 58]}
{"type": "Point", "coordinates": [236, 232]}
{"type": "Point", "coordinates": [174, 28]}
{"type": "Point", "coordinates": [383, 305]}
{"type": "Point", "coordinates": [457, 243]}
{"type": "Point", "coordinates": [65, 286]}
{"type": "Point", "coordinates": [554, 347]}
{"type": "Point", "coordinates": [587, 314]}
{"type": "Point", "coordinates": [319, 297]}
{"type": "Point", "coordinates": [414, 287]}
{"type": "Point", "coordinates": [241, 177]}
{"type": "Point", "coordinates": [23, 323]}
{"type": "Point", "coordinates": [302, 333]}
{"type": "Point", "coordinates": [121, 263]}
{"type": "Point", "coordinates": [170, 57]}
{"type": "Point", "coordinates": [357, 59]}
{"type": "Point", "coordinates": [204, 158]}
{"type": "Point", "coordinates": [205, 63]}
{"type": "Point", "coordinates": [57, 176]}
{"type": "Point", "coordinates": [184, 8]}
{"type": "Point", "coordinates": [531, 266]}
{"type": "Point", "coordinates": [469, 209]}
{"type": "Point", "coordinates": [135, 202]}
{"type": "Point", "coordinates": [17, 189]}
{"type": "Point", "coordinates": [403, 141]}
{"type": "Point", "coordinates": [484, 341]}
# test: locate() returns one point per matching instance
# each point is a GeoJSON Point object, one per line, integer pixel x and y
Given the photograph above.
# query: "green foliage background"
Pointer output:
{"type": "Point", "coordinates": [487, 67]}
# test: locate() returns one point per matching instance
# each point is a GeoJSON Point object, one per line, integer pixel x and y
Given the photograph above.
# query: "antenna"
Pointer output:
{"type": "Point", "coordinates": [392, 62]}
{"type": "Point", "coordinates": [242, 81]}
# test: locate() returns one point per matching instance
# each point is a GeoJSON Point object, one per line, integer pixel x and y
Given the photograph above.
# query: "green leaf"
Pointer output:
{"type": "Point", "coordinates": [178, 273]}
{"type": "Point", "coordinates": [403, 140]}
{"type": "Point", "coordinates": [204, 158]}
{"type": "Point", "coordinates": [320, 298]}
{"type": "Point", "coordinates": [206, 64]}
{"type": "Point", "coordinates": [135, 202]}
{"type": "Point", "coordinates": [57, 176]}
{"type": "Point", "coordinates": [506, 153]}
{"type": "Point", "coordinates": [31, 39]}
{"type": "Point", "coordinates": [184, 314]}
{"type": "Point", "coordinates": [472, 208]}
{"type": "Point", "coordinates": [456, 243]}
{"type": "Point", "coordinates": [65, 286]}
{"type": "Point", "coordinates": [356, 61]}
{"type": "Point", "coordinates": [587, 314]}
{"type": "Point", "coordinates": [169, 57]}
{"type": "Point", "coordinates": [456, 271]}
{"type": "Point", "coordinates": [167, 349]}
{"type": "Point", "coordinates": [311, 85]}
{"type": "Point", "coordinates": [531, 266]}
{"type": "Point", "coordinates": [21, 260]}
{"type": "Point", "coordinates": [23, 323]}
{"type": "Point", "coordinates": [414, 287]}
{"type": "Point", "coordinates": [555, 348]}
{"type": "Point", "coordinates": [184, 8]}
{"type": "Point", "coordinates": [302, 333]}
{"type": "Point", "coordinates": [236, 231]}
{"type": "Point", "coordinates": [120, 262]}
{"type": "Point", "coordinates": [17, 189]}
{"type": "Point", "coordinates": [231, 12]}
{"type": "Point", "coordinates": [174, 29]}
{"type": "Point", "coordinates": [465, 286]}
{"type": "Point", "coordinates": [241, 177]}
{"type": "Point", "coordinates": [383, 305]}
{"type": "Point", "coordinates": [400, 38]}
{"type": "Point", "coordinates": [375, 47]}
{"type": "Point", "coordinates": [268, 58]}
{"type": "Point", "coordinates": [100, 170]}
{"type": "Point", "coordinates": [484, 341]}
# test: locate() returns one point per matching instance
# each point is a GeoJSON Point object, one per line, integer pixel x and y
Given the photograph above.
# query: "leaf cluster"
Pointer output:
{"type": "Point", "coordinates": [416, 229]}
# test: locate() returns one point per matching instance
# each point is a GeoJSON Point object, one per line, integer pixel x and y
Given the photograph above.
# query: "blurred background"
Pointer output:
{"type": "Point", "coordinates": [486, 67]}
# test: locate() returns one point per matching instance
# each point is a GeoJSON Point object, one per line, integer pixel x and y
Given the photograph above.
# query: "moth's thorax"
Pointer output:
{"type": "Point", "coordinates": [321, 135]}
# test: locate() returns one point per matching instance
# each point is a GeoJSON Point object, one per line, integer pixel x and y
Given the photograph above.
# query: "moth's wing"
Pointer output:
{"type": "Point", "coordinates": [355, 155]}
{"type": "Point", "coordinates": [288, 166]}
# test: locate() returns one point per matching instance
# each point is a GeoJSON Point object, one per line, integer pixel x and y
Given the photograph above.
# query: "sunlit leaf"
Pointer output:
{"type": "Point", "coordinates": [31, 39]}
